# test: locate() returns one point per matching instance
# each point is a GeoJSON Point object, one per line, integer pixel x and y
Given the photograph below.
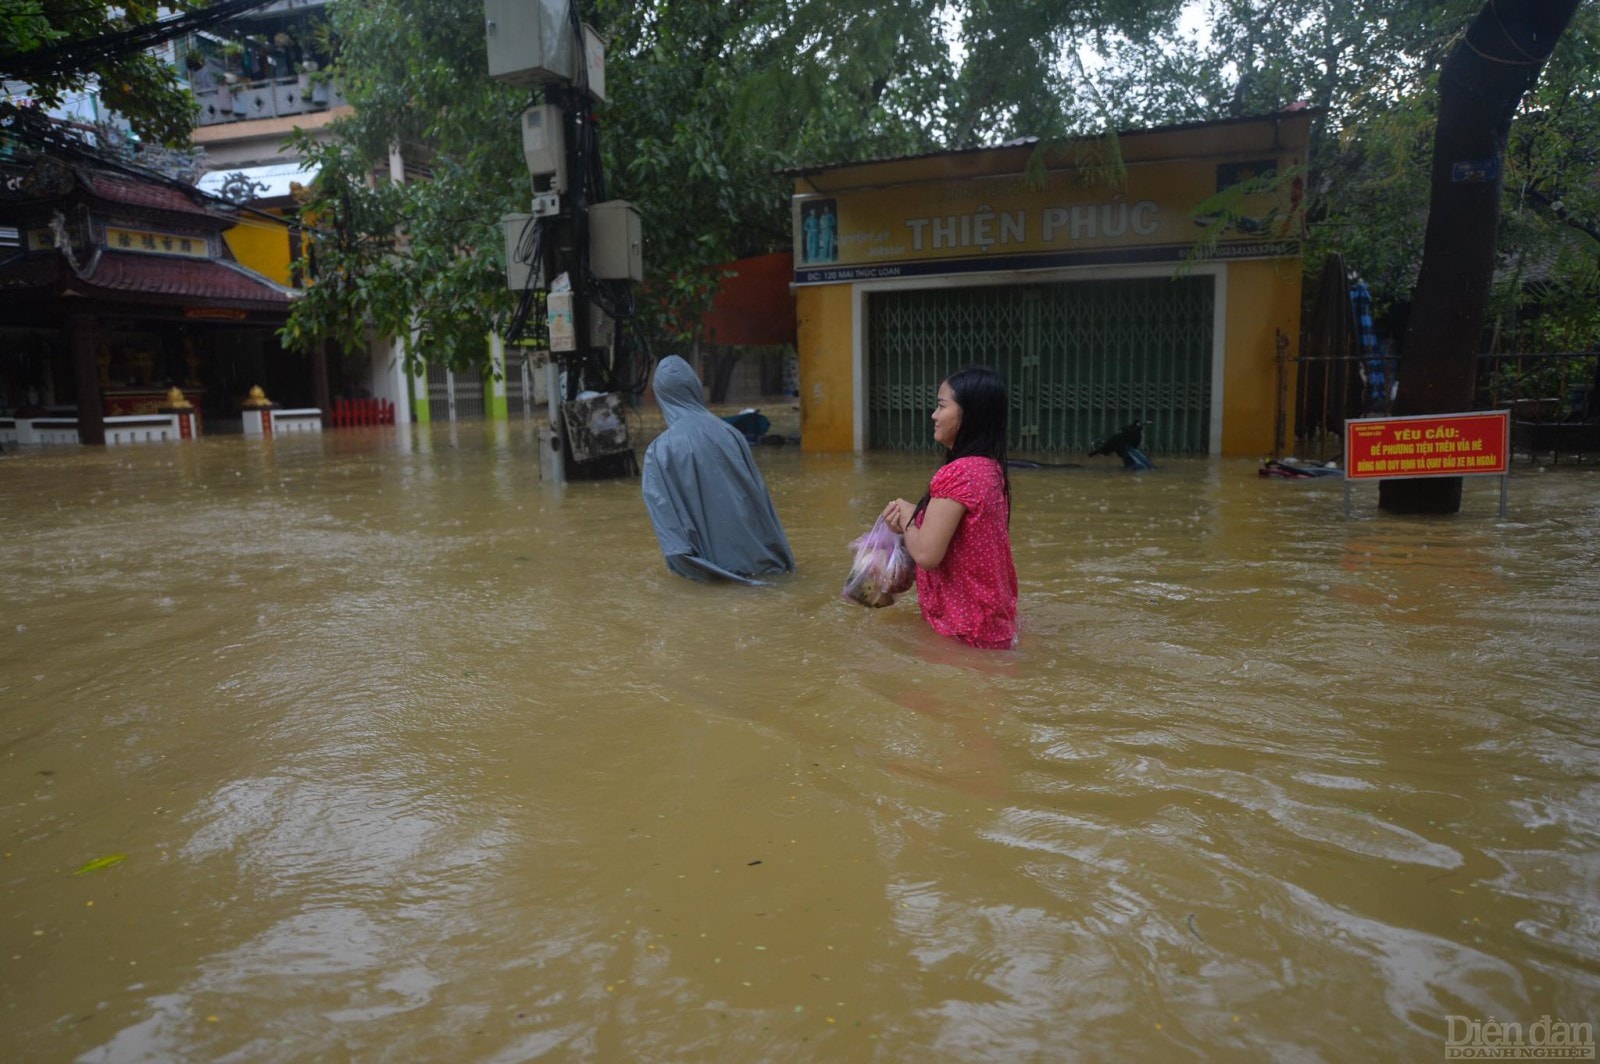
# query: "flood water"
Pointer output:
{"type": "Point", "coordinates": [369, 747]}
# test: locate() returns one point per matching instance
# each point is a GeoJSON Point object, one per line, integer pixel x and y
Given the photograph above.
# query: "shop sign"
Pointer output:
{"type": "Point", "coordinates": [1154, 211]}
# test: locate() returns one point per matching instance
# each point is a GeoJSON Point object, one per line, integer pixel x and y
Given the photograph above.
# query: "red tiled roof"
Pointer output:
{"type": "Point", "coordinates": [148, 279]}
{"type": "Point", "coordinates": [146, 195]}
{"type": "Point", "coordinates": [196, 278]}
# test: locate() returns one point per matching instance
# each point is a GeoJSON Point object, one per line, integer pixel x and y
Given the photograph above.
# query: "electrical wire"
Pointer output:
{"type": "Point", "coordinates": [91, 53]}
{"type": "Point", "coordinates": [529, 251]}
{"type": "Point", "coordinates": [632, 361]}
{"type": "Point", "coordinates": [625, 365]}
{"type": "Point", "coordinates": [49, 136]}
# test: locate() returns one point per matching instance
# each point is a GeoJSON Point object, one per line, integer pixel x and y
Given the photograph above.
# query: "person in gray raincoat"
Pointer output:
{"type": "Point", "coordinates": [709, 506]}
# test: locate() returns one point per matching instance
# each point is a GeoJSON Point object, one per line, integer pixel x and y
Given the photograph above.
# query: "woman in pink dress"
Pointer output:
{"type": "Point", "coordinates": [959, 534]}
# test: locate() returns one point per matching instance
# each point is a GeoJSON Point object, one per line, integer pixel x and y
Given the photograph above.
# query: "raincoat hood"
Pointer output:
{"type": "Point", "coordinates": [707, 501]}
{"type": "Point", "coordinates": [678, 390]}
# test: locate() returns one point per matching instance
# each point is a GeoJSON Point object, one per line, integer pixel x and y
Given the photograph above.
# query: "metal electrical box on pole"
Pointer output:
{"type": "Point", "coordinates": [544, 148]}
{"type": "Point", "coordinates": [522, 272]}
{"type": "Point", "coordinates": [594, 60]}
{"type": "Point", "coordinates": [530, 41]}
{"type": "Point", "coordinates": [615, 241]}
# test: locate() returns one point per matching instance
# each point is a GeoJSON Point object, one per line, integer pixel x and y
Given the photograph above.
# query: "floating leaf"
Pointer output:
{"type": "Point", "coordinates": [102, 862]}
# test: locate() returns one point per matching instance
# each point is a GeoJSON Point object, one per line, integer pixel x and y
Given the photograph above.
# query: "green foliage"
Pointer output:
{"type": "Point", "coordinates": [141, 87]}
{"type": "Point", "coordinates": [1555, 385]}
{"type": "Point", "coordinates": [24, 26]}
{"type": "Point", "coordinates": [1552, 212]}
{"type": "Point", "coordinates": [1370, 67]}
{"type": "Point", "coordinates": [708, 102]}
{"type": "Point", "coordinates": [1251, 206]}
{"type": "Point", "coordinates": [419, 260]}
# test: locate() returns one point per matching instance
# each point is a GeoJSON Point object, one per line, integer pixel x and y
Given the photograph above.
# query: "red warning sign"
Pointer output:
{"type": "Point", "coordinates": [1429, 445]}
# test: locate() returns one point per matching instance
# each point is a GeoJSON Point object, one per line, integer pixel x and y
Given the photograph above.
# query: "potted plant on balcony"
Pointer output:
{"type": "Point", "coordinates": [283, 59]}
{"type": "Point", "coordinates": [321, 87]}
{"type": "Point", "coordinates": [226, 91]}
{"type": "Point", "coordinates": [298, 95]}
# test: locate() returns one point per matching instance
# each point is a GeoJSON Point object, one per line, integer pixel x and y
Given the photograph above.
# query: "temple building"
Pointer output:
{"type": "Point", "coordinates": [123, 287]}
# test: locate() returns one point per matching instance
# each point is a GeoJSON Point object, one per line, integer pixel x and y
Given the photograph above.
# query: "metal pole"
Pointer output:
{"type": "Point", "coordinates": [552, 450]}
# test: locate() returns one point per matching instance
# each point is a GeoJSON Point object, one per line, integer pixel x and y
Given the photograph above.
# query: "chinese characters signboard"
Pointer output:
{"type": "Point", "coordinates": [156, 243]}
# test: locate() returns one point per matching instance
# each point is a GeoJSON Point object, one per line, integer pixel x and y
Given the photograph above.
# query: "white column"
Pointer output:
{"type": "Point", "coordinates": [389, 377]}
{"type": "Point", "coordinates": [396, 385]}
{"type": "Point", "coordinates": [495, 407]}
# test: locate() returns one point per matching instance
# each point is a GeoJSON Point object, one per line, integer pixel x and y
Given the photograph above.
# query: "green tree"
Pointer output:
{"type": "Point", "coordinates": [1482, 84]}
{"type": "Point", "coordinates": [1373, 69]}
{"type": "Point", "coordinates": [711, 101]}
{"type": "Point", "coordinates": [136, 84]}
{"type": "Point", "coordinates": [420, 260]}
{"type": "Point", "coordinates": [707, 101]}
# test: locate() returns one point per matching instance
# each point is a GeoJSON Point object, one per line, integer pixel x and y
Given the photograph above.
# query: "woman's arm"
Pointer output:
{"type": "Point", "coordinates": [927, 544]}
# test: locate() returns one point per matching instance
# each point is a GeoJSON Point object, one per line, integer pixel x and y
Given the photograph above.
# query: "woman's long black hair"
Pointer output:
{"type": "Point", "coordinates": [981, 394]}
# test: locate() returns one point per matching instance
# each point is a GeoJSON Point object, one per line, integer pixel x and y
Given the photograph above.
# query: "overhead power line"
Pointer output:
{"type": "Point", "coordinates": [42, 135]}
{"type": "Point", "coordinates": [88, 53]}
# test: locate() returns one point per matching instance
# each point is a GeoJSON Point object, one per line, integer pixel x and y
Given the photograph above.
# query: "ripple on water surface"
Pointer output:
{"type": "Point", "coordinates": [404, 752]}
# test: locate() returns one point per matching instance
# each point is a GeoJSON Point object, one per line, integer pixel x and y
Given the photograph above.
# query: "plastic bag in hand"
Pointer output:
{"type": "Point", "coordinates": [882, 567]}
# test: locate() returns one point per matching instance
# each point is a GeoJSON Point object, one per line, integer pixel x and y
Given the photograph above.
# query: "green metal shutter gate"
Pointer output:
{"type": "Point", "coordinates": [1081, 359]}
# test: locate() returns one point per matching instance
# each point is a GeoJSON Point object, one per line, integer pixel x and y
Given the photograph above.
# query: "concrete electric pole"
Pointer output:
{"type": "Point", "coordinates": [581, 251]}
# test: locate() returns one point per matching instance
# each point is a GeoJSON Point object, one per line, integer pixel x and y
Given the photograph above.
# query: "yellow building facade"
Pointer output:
{"type": "Point", "coordinates": [1154, 275]}
{"type": "Point", "coordinates": [264, 247]}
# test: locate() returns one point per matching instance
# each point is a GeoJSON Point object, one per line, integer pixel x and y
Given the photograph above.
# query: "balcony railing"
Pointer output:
{"type": "Point", "coordinates": [278, 7]}
{"type": "Point", "coordinates": [280, 98]}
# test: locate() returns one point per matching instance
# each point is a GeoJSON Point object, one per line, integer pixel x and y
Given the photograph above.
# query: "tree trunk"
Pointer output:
{"type": "Point", "coordinates": [1480, 85]}
{"type": "Point", "coordinates": [723, 358]}
{"type": "Point", "coordinates": [84, 336]}
{"type": "Point", "coordinates": [321, 395]}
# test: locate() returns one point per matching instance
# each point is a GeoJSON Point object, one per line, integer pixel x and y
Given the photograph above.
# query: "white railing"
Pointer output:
{"type": "Point", "coordinates": [120, 429]}
{"type": "Point", "coordinates": [266, 422]}
{"type": "Point", "coordinates": [142, 428]}
{"type": "Point", "coordinates": [272, 98]}
{"type": "Point", "coordinates": [47, 430]}
{"type": "Point", "coordinates": [289, 422]}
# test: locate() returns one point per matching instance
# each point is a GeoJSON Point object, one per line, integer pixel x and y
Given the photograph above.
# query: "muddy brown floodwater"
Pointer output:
{"type": "Point", "coordinates": [369, 747]}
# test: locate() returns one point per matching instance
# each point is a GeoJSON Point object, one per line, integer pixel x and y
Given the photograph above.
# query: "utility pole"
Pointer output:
{"type": "Point", "coordinates": [577, 249]}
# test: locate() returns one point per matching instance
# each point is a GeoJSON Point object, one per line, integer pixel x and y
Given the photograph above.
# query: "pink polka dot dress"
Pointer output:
{"type": "Point", "coordinates": [972, 595]}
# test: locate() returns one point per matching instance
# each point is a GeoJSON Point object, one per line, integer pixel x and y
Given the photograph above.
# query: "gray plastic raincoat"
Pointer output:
{"type": "Point", "coordinates": [707, 501]}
